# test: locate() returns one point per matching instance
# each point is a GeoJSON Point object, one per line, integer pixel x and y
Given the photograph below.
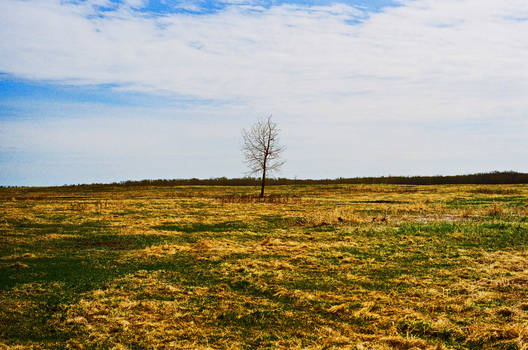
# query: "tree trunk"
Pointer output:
{"type": "Point", "coordinates": [263, 183]}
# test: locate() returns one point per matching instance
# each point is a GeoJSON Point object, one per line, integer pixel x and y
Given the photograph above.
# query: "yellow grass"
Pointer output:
{"type": "Point", "coordinates": [311, 267]}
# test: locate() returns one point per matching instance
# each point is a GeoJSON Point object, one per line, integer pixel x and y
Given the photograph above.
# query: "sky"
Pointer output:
{"type": "Point", "coordinates": [98, 91]}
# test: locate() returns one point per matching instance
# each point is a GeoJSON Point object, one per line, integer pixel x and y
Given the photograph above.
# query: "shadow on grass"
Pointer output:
{"type": "Point", "coordinates": [226, 226]}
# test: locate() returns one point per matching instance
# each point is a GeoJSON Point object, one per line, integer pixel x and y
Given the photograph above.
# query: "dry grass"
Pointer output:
{"type": "Point", "coordinates": [273, 198]}
{"type": "Point", "coordinates": [308, 267]}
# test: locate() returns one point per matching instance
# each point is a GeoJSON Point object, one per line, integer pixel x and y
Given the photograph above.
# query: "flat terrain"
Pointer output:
{"type": "Point", "coordinates": [317, 267]}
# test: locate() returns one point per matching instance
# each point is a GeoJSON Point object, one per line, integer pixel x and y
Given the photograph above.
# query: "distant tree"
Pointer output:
{"type": "Point", "coordinates": [261, 149]}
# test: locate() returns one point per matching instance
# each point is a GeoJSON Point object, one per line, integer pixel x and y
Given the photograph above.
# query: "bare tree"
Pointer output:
{"type": "Point", "coordinates": [261, 149]}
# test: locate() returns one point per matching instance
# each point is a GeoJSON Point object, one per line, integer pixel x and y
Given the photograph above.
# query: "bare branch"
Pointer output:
{"type": "Point", "coordinates": [261, 148]}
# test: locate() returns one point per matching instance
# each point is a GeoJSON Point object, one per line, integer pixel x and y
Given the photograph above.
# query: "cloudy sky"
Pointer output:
{"type": "Point", "coordinates": [109, 90]}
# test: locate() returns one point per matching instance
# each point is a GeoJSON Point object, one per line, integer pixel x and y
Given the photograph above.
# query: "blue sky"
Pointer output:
{"type": "Point", "coordinates": [163, 7]}
{"type": "Point", "coordinates": [103, 90]}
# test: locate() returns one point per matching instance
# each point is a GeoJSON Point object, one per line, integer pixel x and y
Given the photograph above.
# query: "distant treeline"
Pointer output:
{"type": "Point", "coordinates": [492, 178]}
{"type": "Point", "coordinates": [508, 177]}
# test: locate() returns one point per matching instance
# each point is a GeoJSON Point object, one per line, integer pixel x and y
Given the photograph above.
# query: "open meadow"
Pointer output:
{"type": "Point", "coordinates": [308, 267]}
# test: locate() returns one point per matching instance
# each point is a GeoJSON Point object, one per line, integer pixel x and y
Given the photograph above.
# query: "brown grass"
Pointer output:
{"type": "Point", "coordinates": [312, 267]}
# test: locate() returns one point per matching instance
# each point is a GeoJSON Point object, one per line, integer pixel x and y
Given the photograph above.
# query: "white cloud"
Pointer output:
{"type": "Point", "coordinates": [440, 63]}
{"type": "Point", "coordinates": [426, 59]}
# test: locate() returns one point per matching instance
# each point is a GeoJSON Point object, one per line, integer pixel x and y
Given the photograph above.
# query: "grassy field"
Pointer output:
{"type": "Point", "coordinates": [315, 267]}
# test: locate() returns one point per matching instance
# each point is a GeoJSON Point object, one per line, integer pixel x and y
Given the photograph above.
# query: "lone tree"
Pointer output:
{"type": "Point", "coordinates": [261, 149]}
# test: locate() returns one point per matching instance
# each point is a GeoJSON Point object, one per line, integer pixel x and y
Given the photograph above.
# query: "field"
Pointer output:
{"type": "Point", "coordinates": [309, 267]}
